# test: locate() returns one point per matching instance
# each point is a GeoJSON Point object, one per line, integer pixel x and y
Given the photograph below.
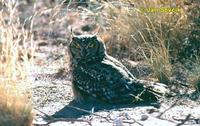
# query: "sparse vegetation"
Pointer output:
{"type": "Point", "coordinates": [15, 108]}
{"type": "Point", "coordinates": [160, 39]}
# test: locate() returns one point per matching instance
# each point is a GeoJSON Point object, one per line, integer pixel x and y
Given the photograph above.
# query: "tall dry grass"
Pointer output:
{"type": "Point", "coordinates": [140, 34]}
{"type": "Point", "coordinates": [15, 108]}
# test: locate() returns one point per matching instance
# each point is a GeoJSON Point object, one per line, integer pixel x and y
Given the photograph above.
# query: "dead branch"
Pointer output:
{"type": "Point", "coordinates": [187, 118]}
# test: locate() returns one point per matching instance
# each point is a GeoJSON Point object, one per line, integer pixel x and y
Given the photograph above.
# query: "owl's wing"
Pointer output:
{"type": "Point", "coordinates": [119, 64]}
{"type": "Point", "coordinates": [108, 82]}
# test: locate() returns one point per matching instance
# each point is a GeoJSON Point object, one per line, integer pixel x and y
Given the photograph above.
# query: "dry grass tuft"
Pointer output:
{"type": "Point", "coordinates": [140, 33]}
{"type": "Point", "coordinates": [15, 109]}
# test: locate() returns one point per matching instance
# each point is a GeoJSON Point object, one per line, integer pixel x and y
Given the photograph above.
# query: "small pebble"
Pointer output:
{"type": "Point", "coordinates": [144, 117]}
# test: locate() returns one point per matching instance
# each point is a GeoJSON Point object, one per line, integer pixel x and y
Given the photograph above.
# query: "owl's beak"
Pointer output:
{"type": "Point", "coordinates": [83, 52]}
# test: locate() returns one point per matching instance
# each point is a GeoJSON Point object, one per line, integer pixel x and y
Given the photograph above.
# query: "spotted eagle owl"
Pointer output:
{"type": "Point", "coordinates": [97, 75]}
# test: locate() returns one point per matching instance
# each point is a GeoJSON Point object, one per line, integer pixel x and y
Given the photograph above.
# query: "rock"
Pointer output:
{"type": "Point", "coordinates": [144, 117]}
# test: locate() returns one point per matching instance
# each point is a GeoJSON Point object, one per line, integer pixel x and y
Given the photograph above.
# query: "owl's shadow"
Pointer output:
{"type": "Point", "coordinates": [76, 109]}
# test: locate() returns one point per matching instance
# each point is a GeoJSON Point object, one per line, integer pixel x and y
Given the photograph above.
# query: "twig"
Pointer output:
{"type": "Point", "coordinates": [107, 118]}
{"type": "Point", "coordinates": [174, 104]}
{"type": "Point", "coordinates": [83, 110]}
{"type": "Point", "coordinates": [187, 118]}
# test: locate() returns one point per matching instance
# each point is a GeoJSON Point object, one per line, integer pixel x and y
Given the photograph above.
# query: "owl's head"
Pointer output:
{"type": "Point", "coordinates": [85, 48]}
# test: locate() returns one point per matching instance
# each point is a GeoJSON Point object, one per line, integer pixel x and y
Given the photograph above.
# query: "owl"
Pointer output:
{"type": "Point", "coordinates": [97, 75]}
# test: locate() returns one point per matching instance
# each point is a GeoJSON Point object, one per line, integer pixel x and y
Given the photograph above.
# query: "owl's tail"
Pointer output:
{"type": "Point", "coordinates": [152, 91]}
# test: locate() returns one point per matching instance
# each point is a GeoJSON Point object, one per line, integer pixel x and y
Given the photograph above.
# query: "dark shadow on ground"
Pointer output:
{"type": "Point", "coordinates": [76, 109]}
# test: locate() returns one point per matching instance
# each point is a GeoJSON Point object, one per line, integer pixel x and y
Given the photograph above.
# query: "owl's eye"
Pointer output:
{"type": "Point", "coordinates": [76, 45]}
{"type": "Point", "coordinates": [91, 45]}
